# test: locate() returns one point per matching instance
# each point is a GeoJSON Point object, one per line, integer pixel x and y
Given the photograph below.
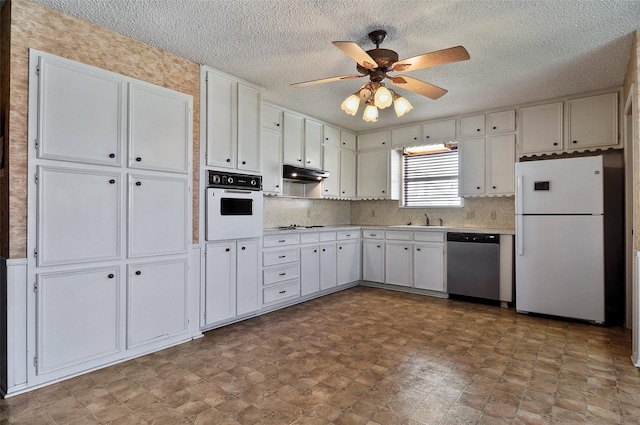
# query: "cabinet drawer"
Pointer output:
{"type": "Point", "coordinates": [281, 256]}
{"type": "Point", "coordinates": [280, 240]}
{"type": "Point", "coordinates": [280, 274]}
{"type": "Point", "coordinates": [349, 234]}
{"type": "Point", "coordinates": [429, 236]}
{"type": "Point", "coordinates": [373, 234]}
{"type": "Point", "coordinates": [280, 292]}
{"type": "Point", "coordinates": [327, 236]}
{"type": "Point", "coordinates": [400, 236]}
{"type": "Point", "coordinates": [309, 237]}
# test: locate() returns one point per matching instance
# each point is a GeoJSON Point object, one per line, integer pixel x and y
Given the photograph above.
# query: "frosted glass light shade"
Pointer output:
{"type": "Point", "coordinates": [351, 104]}
{"type": "Point", "coordinates": [370, 113]}
{"type": "Point", "coordinates": [401, 105]}
{"type": "Point", "coordinates": [383, 97]}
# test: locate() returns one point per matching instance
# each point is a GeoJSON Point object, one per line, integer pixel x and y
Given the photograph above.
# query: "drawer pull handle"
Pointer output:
{"type": "Point", "coordinates": [282, 256]}
{"type": "Point", "coordinates": [348, 236]}
{"type": "Point", "coordinates": [282, 274]}
{"type": "Point", "coordinates": [282, 292]}
{"type": "Point", "coordinates": [281, 241]}
{"type": "Point", "coordinates": [373, 234]}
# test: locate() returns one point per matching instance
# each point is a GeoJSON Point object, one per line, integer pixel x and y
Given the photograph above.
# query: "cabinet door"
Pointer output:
{"type": "Point", "coordinates": [247, 276]}
{"type": "Point", "coordinates": [373, 174]}
{"type": "Point", "coordinates": [159, 129]}
{"type": "Point", "coordinates": [158, 216]}
{"type": "Point", "coordinates": [593, 121]}
{"type": "Point", "coordinates": [79, 318]}
{"type": "Point", "coordinates": [331, 136]}
{"type": "Point", "coordinates": [442, 131]}
{"type": "Point", "coordinates": [309, 270]}
{"type": "Point", "coordinates": [271, 162]}
{"type": "Point", "coordinates": [271, 118]}
{"type": "Point", "coordinates": [221, 104]}
{"type": "Point", "coordinates": [328, 273]}
{"type": "Point", "coordinates": [377, 140]}
{"type": "Point", "coordinates": [471, 154]}
{"type": "Point", "coordinates": [373, 260]}
{"type": "Point", "coordinates": [348, 262]}
{"type": "Point", "coordinates": [348, 140]}
{"type": "Point", "coordinates": [331, 163]}
{"type": "Point", "coordinates": [347, 174]}
{"type": "Point", "coordinates": [398, 263]}
{"type": "Point", "coordinates": [406, 136]}
{"type": "Point", "coordinates": [428, 266]}
{"type": "Point", "coordinates": [312, 144]}
{"type": "Point", "coordinates": [81, 113]}
{"type": "Point", "coordinates": [502, 122]}
{"type": "Point", "coordinates": [472, 126]}
{"type": "Point", "coordinates": [248, 129]}
{"type": "Point", "coordinates": [500, 164]}
{"type": "Point", "coordinates": [541, 128]}
{"type": "Point", "coordinates": [220, 282]}
{"type": "Point", "coordinates": [156, 302]}
{"type": "Point", "coordinates": [79, 216]}
{"type": "Point", "coordinates": [292, 139]}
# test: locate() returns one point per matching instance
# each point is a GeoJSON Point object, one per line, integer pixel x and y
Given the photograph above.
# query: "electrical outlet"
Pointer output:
{"type": "Point", "coordinates": [471, 215]}
{"type": "Point", "coordinates": [493, 214]}
{"type": "Point", "coordinates": [373, 213]}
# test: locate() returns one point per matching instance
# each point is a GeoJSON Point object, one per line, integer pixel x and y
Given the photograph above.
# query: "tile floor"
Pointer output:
{"type": "Point", "coordinates": [362, 356]}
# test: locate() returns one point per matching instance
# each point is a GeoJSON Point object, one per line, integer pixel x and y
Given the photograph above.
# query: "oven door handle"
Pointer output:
{"type": "Point", "coordinates": [242, 192]}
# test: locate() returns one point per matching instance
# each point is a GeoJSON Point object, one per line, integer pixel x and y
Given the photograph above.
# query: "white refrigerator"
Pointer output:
{"type": "Point", "coordinates": [560, 238]}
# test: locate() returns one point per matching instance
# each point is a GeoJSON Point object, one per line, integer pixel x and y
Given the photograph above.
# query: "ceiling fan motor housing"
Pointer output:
{"type": "Point", "coordinates": [383, 57]}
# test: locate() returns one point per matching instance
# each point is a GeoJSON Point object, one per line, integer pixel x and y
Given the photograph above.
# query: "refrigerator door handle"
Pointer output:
{"type": "Point", "coordinates": [519, 196]}
{"type": "Point", "coordinates": [519, 234]}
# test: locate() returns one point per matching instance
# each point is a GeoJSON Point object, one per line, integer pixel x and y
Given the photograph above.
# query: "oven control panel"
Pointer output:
{"type": "Point", "coordinates": [242, 181]}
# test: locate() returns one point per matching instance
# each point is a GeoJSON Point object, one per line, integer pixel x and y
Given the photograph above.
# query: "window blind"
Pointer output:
{"type": "Point", "coordinates": [431, 180]}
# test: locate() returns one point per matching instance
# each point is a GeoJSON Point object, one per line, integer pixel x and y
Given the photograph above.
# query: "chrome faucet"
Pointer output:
{"type": "Point", "coordinates": [441, 222]}
{"type": "Point", "coordinates": [426, 219]}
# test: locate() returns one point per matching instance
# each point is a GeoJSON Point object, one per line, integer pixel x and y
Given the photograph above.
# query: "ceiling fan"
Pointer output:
{"type": "Point", "coordinates": [376, 64]}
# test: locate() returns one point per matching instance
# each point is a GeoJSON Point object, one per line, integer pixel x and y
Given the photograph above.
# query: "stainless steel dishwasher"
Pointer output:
{"type": "Point", "coordinates": [473, 265]}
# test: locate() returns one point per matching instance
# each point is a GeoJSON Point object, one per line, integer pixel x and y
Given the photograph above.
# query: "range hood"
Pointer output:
{"type": "Point", "coordinates": [303, 175]}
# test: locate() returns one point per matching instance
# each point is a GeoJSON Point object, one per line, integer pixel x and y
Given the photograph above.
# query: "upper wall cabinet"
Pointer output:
{"type": "Point", "coordinates": [232, 122]}
{"type": "Point", "coordinates": [271, 118]}
{"type": "Point", "coordinates": [331, 136]}
{"type": "Point", "coordinates": [158, 129]}
{"type": "Point", "coordinates": [575, 125]}
{"type": "Point", "coordinates": [302, 141]}
{"type": "Point", "coordinates": [404, 137]}
{"type": "Point", "coordinates": [501, 122]}
{"type": "Point", "coordinates": [439, 131]}
{"type": "Point", "coordinates": [81, 114]}
{"type": "Point", "coordinates": [472, 126]}
{"type": "Point", "coordinates": [377, 140]}
{"type": "Point", "coordinates": [347, 140]}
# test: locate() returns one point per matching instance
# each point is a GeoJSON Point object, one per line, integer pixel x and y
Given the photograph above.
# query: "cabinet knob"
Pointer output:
{"type": "Point", "coordinates": [244, 247]}
{"type": "Point", "coordinates": [326, 138]}
{"type": "Point", "coordinates": [384, 143]}
{"type": "Point", "coordinates": [494, 127]}
{"type": "Point", "coordinates": [415, 138]}
{"type": "Point", "coordinates": [299, 159]}
{"type": "Point", "coordinates": [277, 124]}
{"type": "Point", "coordinates": [111, 276]}
{"type": "Point", "coordinates": [112, 181]}
{"type": "Point", "coordinates": [378, 246]}
{"type": "Point", "coordinates": [308, 162]}
{"type": "Point", "coordinates": [323, 250]}
{"type": "Point", "coordinates": [277, 185]}
{"type": "Point", "coordinates": [383, 191]}
{"type": "Point", "coordinates": [575, 141]}
{"type": "Point", "coordinates": [326, 190]}
{"type": "Point", "coordinates": [339, 247]}
{"type": "Point", "coordinates": [555, 143]}
{"type": "Point", "coordinates": [417, 249]}
{"type": "Point", "coordinates": [138, 183]}
{"type": "Point", "coordinates": [344, 143]}
{"type": "Point", "coordinates": [405, 248]}
{"type": "Point", "coordinates": [493, 187]}
{"type": "Point", "coordinates": [478, 187]}
{"type": "Point", "coordinates": [244, 162]}
{"type": "Point", "coordinates": [343, 191]}
{"type": "Point", "coordinates": [138, 272]}
{"type": "Point", "coordinates": [428, 137]}
{"type": "Point", "coordinates": [227, 250]}
{"type": "Point", "coordinates": [112, 155]}
{"type": "Point", "coordinates": [228, 159]}
{"type": "Point", "coordinates": [315, 250]}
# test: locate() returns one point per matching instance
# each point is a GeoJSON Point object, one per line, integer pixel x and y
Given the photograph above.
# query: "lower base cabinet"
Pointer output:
{"type": "Point", "coordinates": [428, 266]}
{"type": "Point", "coordinates": [373, 260]}
{"type": "Point", "coordinates": [232, 279]}
{"type": "Point", "coordinates": [348, 261]}
{"type": "Point", "coordinates": [328, 266]}
{"type": "Point", "coordinates": [398, 263]}
{"type": "Point", "coordinates": [309, 270]}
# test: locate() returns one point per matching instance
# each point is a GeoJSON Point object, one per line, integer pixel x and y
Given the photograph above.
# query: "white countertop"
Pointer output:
{"type": "Point", "coordinates": [412, 228]}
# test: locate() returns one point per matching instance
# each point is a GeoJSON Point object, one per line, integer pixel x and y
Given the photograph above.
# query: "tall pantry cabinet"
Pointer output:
{"type": "Point", "coordinates": [109, 227]}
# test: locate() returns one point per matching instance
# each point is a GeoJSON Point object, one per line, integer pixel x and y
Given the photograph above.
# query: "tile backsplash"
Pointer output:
{"type": "Point", "coordinates": [490, 213]}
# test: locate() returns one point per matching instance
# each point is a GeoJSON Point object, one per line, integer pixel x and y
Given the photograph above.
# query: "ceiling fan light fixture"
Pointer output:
{"type": "Point", "coordinates": [401, 105]}
{"type": "Point", "coordinates": [383, 97]}
{"type": "Point", "coordinates": [351, 104]}
{"type": "Point", "coordinates": [370, 113]}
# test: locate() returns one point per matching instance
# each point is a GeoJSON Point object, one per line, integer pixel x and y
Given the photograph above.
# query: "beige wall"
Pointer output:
{"type": "Point", "coordinates": [36, 26]}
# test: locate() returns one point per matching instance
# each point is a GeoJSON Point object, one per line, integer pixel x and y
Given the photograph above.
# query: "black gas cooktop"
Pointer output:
{"type": "Point", "coordinates": [296, 226]}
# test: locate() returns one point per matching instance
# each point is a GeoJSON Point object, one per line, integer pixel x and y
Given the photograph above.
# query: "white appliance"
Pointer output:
{"type": "Point", "coordinates": [560, 238]}
{"type": "Point", "coordinates": [234, 206]}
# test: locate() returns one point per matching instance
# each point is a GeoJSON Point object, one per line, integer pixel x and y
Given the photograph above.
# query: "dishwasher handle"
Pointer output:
{"type": "Point", "coordinates": [473, 237]}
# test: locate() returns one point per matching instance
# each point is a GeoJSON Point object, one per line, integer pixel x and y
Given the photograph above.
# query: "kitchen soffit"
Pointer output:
{"type": "Point", "coordinates": [521, 51]}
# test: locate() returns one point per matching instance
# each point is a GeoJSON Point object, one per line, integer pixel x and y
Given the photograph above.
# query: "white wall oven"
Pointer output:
{"type": "Point", "coordinates": [234, 206]}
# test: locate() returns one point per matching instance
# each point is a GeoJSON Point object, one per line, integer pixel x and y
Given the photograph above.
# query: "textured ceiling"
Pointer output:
{"type": "Point", "coordinates": [521, 51]}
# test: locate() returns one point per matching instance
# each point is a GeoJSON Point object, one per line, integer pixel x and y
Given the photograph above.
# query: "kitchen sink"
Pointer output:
{"type": "Point", "coordinates": [419, 226]}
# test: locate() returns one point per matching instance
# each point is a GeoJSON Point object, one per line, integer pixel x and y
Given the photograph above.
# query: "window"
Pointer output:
{"type": "Point", "coordinates": [431, 179]}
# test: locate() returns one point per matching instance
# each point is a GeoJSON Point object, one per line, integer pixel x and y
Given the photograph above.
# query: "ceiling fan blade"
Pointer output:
{"type": "Point", "coordinates": [440, 57]}
{"type": "Point", "coordinates": [417, 86]}
{"type": "Point", "coordinates": [356, 53]}
{"type": "Point", "coordinates": [327, 80]}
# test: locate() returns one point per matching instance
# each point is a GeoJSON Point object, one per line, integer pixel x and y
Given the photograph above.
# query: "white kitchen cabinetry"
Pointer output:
{"type": "Point", "coordinates": [373, 174]}
{"type": "Point", "coordinates": [472, 126]}
{"type": "Point", "coordinates": [439, 131]}
{"type": "Point", "coordinates": [309, 270]}
{"type": "Point", "coordinates": [312, 144]}
{"type": "Point", "coordinates": [347, 174]}
{"type": "Point", "coordinates": [331, 136]}
{"type": "Point", "coordinates": [541, 128]}
{"type": "Point", "coordinates": [501, 122]}
{"type": "Point", "coordinates": [156, 301]}
{"type": "Point", "coordinates": [281, 268]}
{"type": "Point", "coordinates": [373, 260]}
{"type": "Point", "coordinates": [271, 162]}
{"type": "Point", "coordinates": [82, 113]}
{"type": "Point", "coordinates": [377, 140]}
{"type": "Point", "coordinates": [347, 140]}
{"type": "Point", "coordinates": [398, 263]}
{"type": "Point", "coordinates": [348, 257]}
{"type": "Point", "coordinates": [293, 139]}
{"type": "Point", "coordinates": [79, 318]}
{"type": "Point", "coordinates": [271, 118]}
{"type": "Point", "coordinates": [331, 163]}
{"type": "Point", "coordinates": [593, 121]}
{"type": "Point", "coordinates": [487, 165]}
{"type": "Point", "coordinates": [159, 129]}
{"type": "Point", "coordinates": [232, 279]}
{"type": "Point", "coordinates": [232, 123]}
{"type": "Point", "coordinates": [404, 137]}
{"type": "Point", "coordinates": [428, 266]}
{"type": "Point", "coordinates": [328, 266]}
{"type": "Point", "coordinates": [158, 221]}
